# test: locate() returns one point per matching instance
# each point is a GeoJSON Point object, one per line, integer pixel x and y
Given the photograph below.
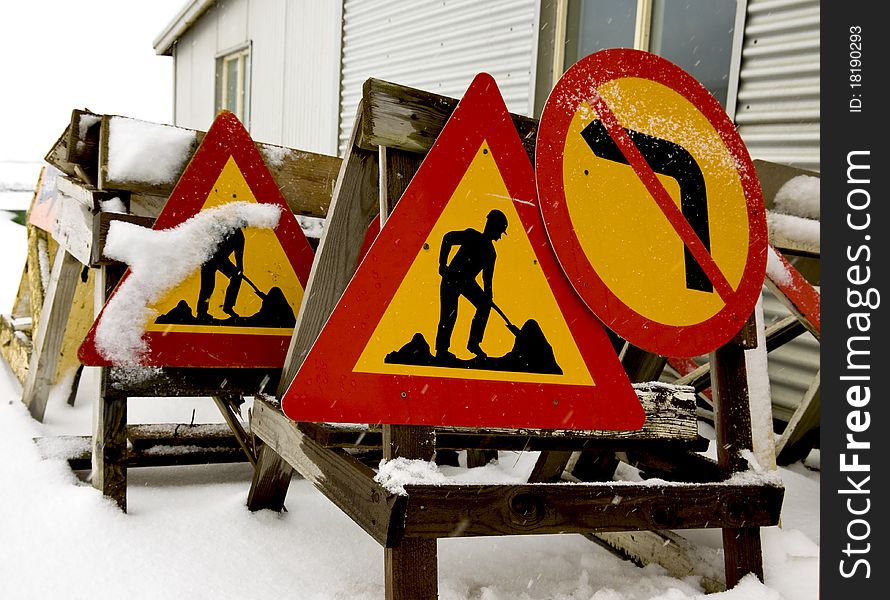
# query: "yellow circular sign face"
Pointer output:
{"type": "Point", "coordinates": [651, 202]}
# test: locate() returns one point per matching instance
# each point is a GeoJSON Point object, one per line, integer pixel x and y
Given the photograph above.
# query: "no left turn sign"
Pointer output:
{"type": "Point", "coordinates": [651, 202]}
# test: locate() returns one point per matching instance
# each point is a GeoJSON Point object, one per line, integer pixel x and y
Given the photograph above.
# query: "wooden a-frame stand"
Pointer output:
{"type": "Point", "coordinates": [394, 127]}
{"type": "Point", "coordinates": [79, 226]}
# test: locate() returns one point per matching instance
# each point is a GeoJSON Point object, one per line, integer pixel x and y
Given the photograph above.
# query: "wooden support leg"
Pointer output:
{"type": "Point", "coordinates": [224, 404]}
{"type": "Point", "coordinates": [550, 466]}
{"type": "Point", "coordinates": [797, 439]}
{"type": "Point", "coordinates": [412, 570]}
{"type": "Point", "coordinates": [271, 478]}
{"type": "Point", "coordinates": [479, 458]}
{"type": "Point", "coordinates": [50, 333]}
{"type": "Point", "coordinates": [109, 472]}
{"type": "Point", "coordinates": [742, 547]}
{"type": "Point", "coordinates": [411, 567]}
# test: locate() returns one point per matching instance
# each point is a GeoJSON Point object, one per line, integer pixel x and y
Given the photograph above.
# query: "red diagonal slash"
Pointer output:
{"type": "Point", "coordinates": [662, 197]}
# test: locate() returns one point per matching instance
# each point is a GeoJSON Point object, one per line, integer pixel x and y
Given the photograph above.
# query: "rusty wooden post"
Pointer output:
{"type": "Point", "coordinates": [741, 546]}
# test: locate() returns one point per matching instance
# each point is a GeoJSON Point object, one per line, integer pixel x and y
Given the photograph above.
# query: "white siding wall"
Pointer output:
{"type": "Point", "coordinates": [778, 99]}
{"type": "Point", "coordinates": [438, 46]}
{"type": "Point", "coordinates": [294, 61]}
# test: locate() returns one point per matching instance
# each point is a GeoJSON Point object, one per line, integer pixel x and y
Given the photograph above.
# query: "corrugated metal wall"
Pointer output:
{"type": "Point", "coordinates": [295, 53]}
{"type": "Point", "coordinates": [778, 116]}
{"type": "Point", "coordinates": [438, 46]}
{"type": "Point", "coordinates": [778, 99]}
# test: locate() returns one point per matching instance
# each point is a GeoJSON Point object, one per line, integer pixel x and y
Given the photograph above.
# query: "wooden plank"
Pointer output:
{"type": "Point", "coordinates": [73, 228]}
{"type": "Point", "coordinates": [15, 347]}
{"type": "Point", "coordinates": [109, 452]}
{"type": "Point", "coordinates": [641, 365]}
{"type": "Point", "coordinates": [88, 195]}
{"type": "Point", "coordinates": [732, 423]}
{"type": "Point", "coordinates": [675, 553]}
{"type": "Point", "coordinates": [798, 437]}
{"type": "Point", "coordinates": [544, 508]}
{"type": "Point", "coordinates": [83, 143]}
{"type": "Point", "coordinates": [306, 179]}
{"type": "Point", "coordinates": [271, 478]}
{"type": "Point", "coordinates": [77, 450]}
{"type": "Point", "coordinates": [404, 118]}
{"type": "Point", "coordinates": [411, 570]}
{"type": "Point", "coordinates": [783, 331]}
{"type": "Point", "coordinates": [355, 203]}
{"type": "Point", "coordinates": [174, 381]}
{"type": "Point", "coordinates": [225, 407]}
{"type": "Point", "coordinates": [49, 334]}
{"type": "Point", "coordinates": [39, 267]}
{"type": "Point", "coordinates": [670, 422]}
{"type": "Point", "coordinates": [675, 465]}
{"type": "Point", "coordinates": [411, 567]}
{"type": "Point", "coordinates": [549, 466]}
{"type": "Point", "coordinates": [58, 153]}
{"type": "Point", "coordinates": [101, 224]}
{"type": "Point", "coordinates": [344, 480]}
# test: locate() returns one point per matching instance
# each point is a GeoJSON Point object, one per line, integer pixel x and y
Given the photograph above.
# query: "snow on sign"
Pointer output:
{"type": "Point", "coordinates": [219, 279]}
{"type": "Point", "coordinates": [651, 202]}
{"type": "Point", "coordinates": [459, 314]}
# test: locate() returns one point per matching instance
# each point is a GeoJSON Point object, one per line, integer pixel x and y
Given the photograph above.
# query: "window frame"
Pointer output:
{"type": "Point", "coordinates": [552, 41]}
{"type": "Point", "coordinates": [242, 54]}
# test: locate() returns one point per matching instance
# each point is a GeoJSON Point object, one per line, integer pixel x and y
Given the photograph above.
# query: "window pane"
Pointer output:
{"type": "Point", "coordinates": [598, 24]}
{"type": "Point", "coordinates": [697, 36]}
{"type": "Point", "coordinates": [230, 97]}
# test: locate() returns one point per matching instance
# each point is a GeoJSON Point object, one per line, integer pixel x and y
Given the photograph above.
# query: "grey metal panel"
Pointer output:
{"type": "Point", "coordinates": [267, 34]}
{"type": "Point", "coordinates": [777, 111]}
{"type": "Point", "coordinates": [792, 366]}
{"type": "Point", "coordinates": [311, 57]}
{"type": "Point", "coordinates": [195, 93]}
{"type": "Point", "coordinates": [231, 23]}
{"type": "Point", "coordinates": [438, 47]}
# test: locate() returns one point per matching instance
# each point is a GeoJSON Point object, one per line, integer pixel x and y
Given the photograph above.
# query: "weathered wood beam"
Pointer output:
{"type": "Point", "coordinates": [224, 405]}
{"type": "Point", "coordinates": [404, 118]}
{"type": "Point", "coordinates": [344, 480]}
{"type": "Point", "coordinates": [175, 381]}
{"type": "Point", "coordinates": [109, 450]}
{"type": "Point", "coordinates": [58, 153]}
{"type": "Point", "coordinates": [15, 347]}
{"type": "Point", "coordinates": [732, 424]}
{"type": "Point", "coordinates": [676, 554]}
{"type": "Point", "coordinates": [101, 224]}
{"type": "Point", "coordinates": [306, 179]}
{"type": "Point", "coordinates": [77, 450]}
{"type": "Point", "coordinates": [543, 508]}
{"type": "Point", "coordinates": [49, 334]}
{"type": "Point", "coordinates": [794, 444]}
{"type": "Point", "coordinates": [83, 144]}
{"type": "Point", "coordinates": [355, 203]}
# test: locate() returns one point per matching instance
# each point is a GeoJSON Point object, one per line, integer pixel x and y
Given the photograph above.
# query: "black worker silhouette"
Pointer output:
{"type": "Point", "coordinates": [476, 255]}
{"type": "Point", "coordinates": [228, 259]}
{"type": "Point", "coordinates": [233, 244]}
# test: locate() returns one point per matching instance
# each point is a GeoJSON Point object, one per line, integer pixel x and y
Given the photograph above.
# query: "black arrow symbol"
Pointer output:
{"type": "Point", "coordinates": [666, 158]}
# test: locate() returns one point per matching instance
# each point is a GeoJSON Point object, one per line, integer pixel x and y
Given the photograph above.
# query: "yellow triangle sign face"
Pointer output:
{"type": "Point", "coordinates": [459, 314]}
{"type": "Point", "coordinates": [238, 309]}
{"type": "Point", "coordinates": [265, 262]}
{"type": "Point", "coordinates": [520, 290]}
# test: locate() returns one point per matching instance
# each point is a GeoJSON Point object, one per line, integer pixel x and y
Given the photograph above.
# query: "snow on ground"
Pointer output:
{"type": "Point", "coordinates": [188, 535]}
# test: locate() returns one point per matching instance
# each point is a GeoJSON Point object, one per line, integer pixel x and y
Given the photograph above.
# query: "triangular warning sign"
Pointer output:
{"type": "Point", "coordinates": [235, 303]}
{"type": "Point", "coordinates": [459, 314]}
